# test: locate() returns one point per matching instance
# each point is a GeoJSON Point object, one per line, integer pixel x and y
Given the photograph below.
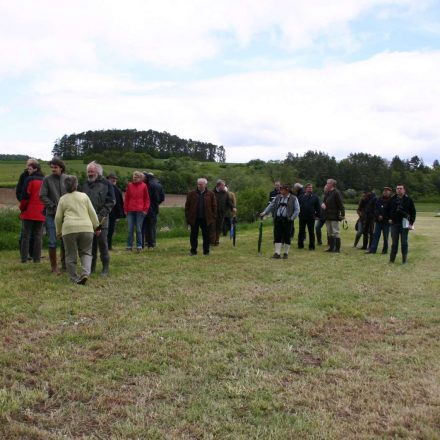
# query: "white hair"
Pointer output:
{"type": "Point", "coordinates": [98, 167]}
{"type": "Point", "coordinates": [202, 180]}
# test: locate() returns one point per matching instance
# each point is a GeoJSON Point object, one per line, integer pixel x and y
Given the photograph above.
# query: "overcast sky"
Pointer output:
{"type": "Point", "coordinates": [260, 77]}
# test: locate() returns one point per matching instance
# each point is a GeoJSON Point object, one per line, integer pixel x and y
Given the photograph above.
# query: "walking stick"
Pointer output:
{"type": "Point", "coordinates": [260, 236]}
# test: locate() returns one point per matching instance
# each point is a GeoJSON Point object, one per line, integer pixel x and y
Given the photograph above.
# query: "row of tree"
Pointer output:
{"type": "Point", "coordinates": [153, 143]}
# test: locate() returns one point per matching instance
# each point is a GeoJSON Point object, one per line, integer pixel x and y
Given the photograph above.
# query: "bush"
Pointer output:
{"type": "Point", "coordinates": [250, 202]}
{"type": "Point", "coordinates": [9, 229]}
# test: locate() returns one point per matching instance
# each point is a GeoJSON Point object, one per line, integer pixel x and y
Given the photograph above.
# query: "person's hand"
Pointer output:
{"type": "Point", "coordinates": [98, 232]}
{"type": "Point", "coordinates": [59, 236]}
{"type": "Point", "coordinates": [323, 206]}
{"type": "Point", "coordinates": [234, 209]}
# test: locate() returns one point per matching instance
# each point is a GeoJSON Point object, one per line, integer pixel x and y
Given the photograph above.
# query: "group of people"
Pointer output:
{"type": "Point", "coordinates": [380, 215]}
{"type": "Point", "coordinates": [377, 217]}
{"type": "Point", "coordinates": [83, 217]}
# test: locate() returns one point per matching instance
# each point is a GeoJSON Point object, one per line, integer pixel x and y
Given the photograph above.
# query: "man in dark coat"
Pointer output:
{"type": "Point", "coordinates": [117, 211]}
{"type": "Point", "coordinates": [224, 204]}
{"type": "Point", "coordinates": [157, 196]}
{"type": "Point", "coordinates": [309, 211]}
{"type": "Point", "coordinates": [334, 209]}
{"type": "Point", "coordinates": [200, 212]}
{"type": "Point", "coordinates": [102, 196]}
{"type": "Point", "coordinates": [381, 222]}
{"type": "Point", "coordinates": [402, 215]}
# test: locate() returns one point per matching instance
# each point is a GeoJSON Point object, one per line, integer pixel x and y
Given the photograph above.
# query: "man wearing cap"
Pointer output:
{"type": "Point", "coordinates": [334, 210]}
{"type": "Point", "coordinates": [402, 214]}
{"type": "Point", "coordinates": [224, 203]}
{"type": "Point", "coordinates": [284, 209]}
{"type": "Point", "coordinates": [381, 225]}
{"type": "Point", "coordinates": [117, 211]}
{"type": "Point", "coordinates": [157, 196]}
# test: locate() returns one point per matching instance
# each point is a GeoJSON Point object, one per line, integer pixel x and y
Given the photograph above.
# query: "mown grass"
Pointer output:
{"type": "Point", "coordinates": [230, 346]}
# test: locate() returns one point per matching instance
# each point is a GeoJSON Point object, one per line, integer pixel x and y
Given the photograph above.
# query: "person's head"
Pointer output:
{"type": "Point", "coordinates": [201, 184]}
{"type": "Point", "coordinates": [31, 161]}
{"type": "Point", "coordinates": [33, 167]}
{"type": "Point", "coordinates": [277, 185]}
{"type": "Point", "coordinates": [400, 189]}
{"type": "Point", "coordinates": [71, 184]}
{"type": "Point", "coordinates": [331, 184]}
{"type": "Point", "coordinates": [112, 178]}
{"type": "Point", "coordinates": [285, 189]}
{"type": "Point", "coordinates": [94, 170]}
{"type": "Point", "coordinates": [387, 191]}
{"type": "Point", "coordinates": [221, 184]}
{"type": "Point", "coordinates": [325, 188]}
{"type": "Point", "coordinates": [138, 176]}
{"type": "Point", "coordinates": [148, 175]}
{"type": "Point", "coordinates": [309, 188]}
{"type": "Point", "coordinates": [57, 166]}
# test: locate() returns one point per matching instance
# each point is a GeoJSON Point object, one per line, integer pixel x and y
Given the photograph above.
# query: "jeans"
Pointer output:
{"type": "Point", "coordinates": [319, 223]}
{"type": "Point", "coordinates": [397, 232]}
{"type": "Point", "coordinates": [380, 227]}
{"type": "Point", "coordinates": [135, 220]}
{"type": "Point", "coordinates": [51, 232]}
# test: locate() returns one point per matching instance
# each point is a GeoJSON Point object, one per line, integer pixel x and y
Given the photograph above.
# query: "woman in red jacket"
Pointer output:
{"type": "Point", "coordinates": [136, 205]}
{"type": "Point", "coordinates": [32, 213]}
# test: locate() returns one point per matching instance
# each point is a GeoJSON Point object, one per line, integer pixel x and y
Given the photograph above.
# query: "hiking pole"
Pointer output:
{"type": "Point", "coordinates": [260, 236]}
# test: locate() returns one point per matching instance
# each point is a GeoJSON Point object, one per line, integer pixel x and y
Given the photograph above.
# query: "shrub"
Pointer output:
{"type": "Point", "coordinates": [250, 202]}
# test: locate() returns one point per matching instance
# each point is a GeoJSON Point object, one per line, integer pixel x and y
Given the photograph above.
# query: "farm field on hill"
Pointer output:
{"type": "Point", "coordinates": [230, 346]}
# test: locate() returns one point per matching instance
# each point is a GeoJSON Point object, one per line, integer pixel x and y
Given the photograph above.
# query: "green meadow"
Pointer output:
{"type": "Point", "coordinates": [230, 346]}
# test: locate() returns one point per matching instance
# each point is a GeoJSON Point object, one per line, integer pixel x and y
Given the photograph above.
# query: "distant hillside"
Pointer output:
{"type": "Point", "coordinates": [153, 143]}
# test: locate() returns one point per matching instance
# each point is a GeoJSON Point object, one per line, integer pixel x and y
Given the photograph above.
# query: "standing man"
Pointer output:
{"type": "Point", "coordinates": [50, 192]}
{"type": "Point", "coordinates": [117, 211]}
{"type": "Point", "coordinates": [284, 209]}
{"type": "Point", "coordinates": [334, 212]}
{"type": "Point", "coordinates": [381, 222]}
{"type": "Point", "coordinates": [402, 214]}
{"type": "Point", "coordinates": [157, 196]}
{"type": "Point", "coordinates": [309, 211]}
{"type": "Point", "coordinates": [102, 196]}
{"type": "Point", "coordinates": [200, 212]}
{"type": "Point", "coordinates": [275, 191]}
{"type": "Point", "coordinates": [224, 203]}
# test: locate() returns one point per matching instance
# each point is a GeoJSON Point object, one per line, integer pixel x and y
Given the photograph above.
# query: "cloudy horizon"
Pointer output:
{"type": "Point", "coordinates": [262, 78]}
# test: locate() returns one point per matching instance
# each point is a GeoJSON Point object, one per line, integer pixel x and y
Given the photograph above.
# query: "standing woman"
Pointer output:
{"type": "Point", "coordinates": [75, 222]}
{"type": "Point", "coordinates": [136, 205]}
{"type": "Point", "coordinates": [32, 213]}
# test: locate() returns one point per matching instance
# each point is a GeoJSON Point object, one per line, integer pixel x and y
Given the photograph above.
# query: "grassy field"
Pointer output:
{"type": "Point", "coordinates": [230, 346]}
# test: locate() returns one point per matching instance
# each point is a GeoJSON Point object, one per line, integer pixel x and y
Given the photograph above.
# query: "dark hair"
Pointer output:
{"type": "Point", "coordinates": [36, 166]}
{"type": "Point", "coordinates": [71, 183]}
{"type": "Point", "coordinates": [58, 162]}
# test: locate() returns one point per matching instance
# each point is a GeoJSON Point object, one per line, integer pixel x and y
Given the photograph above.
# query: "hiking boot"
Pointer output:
{"type": "Point", "coordinates": [276, 256]}
{"type": "Point", "coordinates": [82, 280]}
{"type": "Point", "coordinates": [285, 256]}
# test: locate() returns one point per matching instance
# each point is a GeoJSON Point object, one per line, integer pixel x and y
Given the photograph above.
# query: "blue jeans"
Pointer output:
{"type": "Point", "coordinates": [135, 219]}
{"type": "Point", "coordinates": [51, 232]}
{"type": "Point", "coordinates": [380, 227]}
{"type": "Point", "coordinates": [398, 232]}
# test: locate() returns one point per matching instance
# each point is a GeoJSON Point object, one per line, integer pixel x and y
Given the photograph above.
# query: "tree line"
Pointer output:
{"type": "Point", "coordinates": [132, 143]}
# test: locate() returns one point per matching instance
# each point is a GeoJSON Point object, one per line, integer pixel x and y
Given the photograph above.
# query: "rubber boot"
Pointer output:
{"type": "Point", "coordinates": [337, 245]}
{"type": "Point", "coordinates": [105, 267]}
{"type": "Point", "coordinates": [53, 260]}
{"type": "Point", "coordinates": [331, 244]}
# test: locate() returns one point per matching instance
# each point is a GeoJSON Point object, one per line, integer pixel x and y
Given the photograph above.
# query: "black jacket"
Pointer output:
{"type": "Point", "coordinates": [102, 196]}
{"type": "Point", "coordinates": [309, 206]}
{"type": "Point", "coordinates": [400, 208]}
{"type": "Point", "coordinates": [381, 209]}
{"type": "Point", "coordinates": [157, 195]}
